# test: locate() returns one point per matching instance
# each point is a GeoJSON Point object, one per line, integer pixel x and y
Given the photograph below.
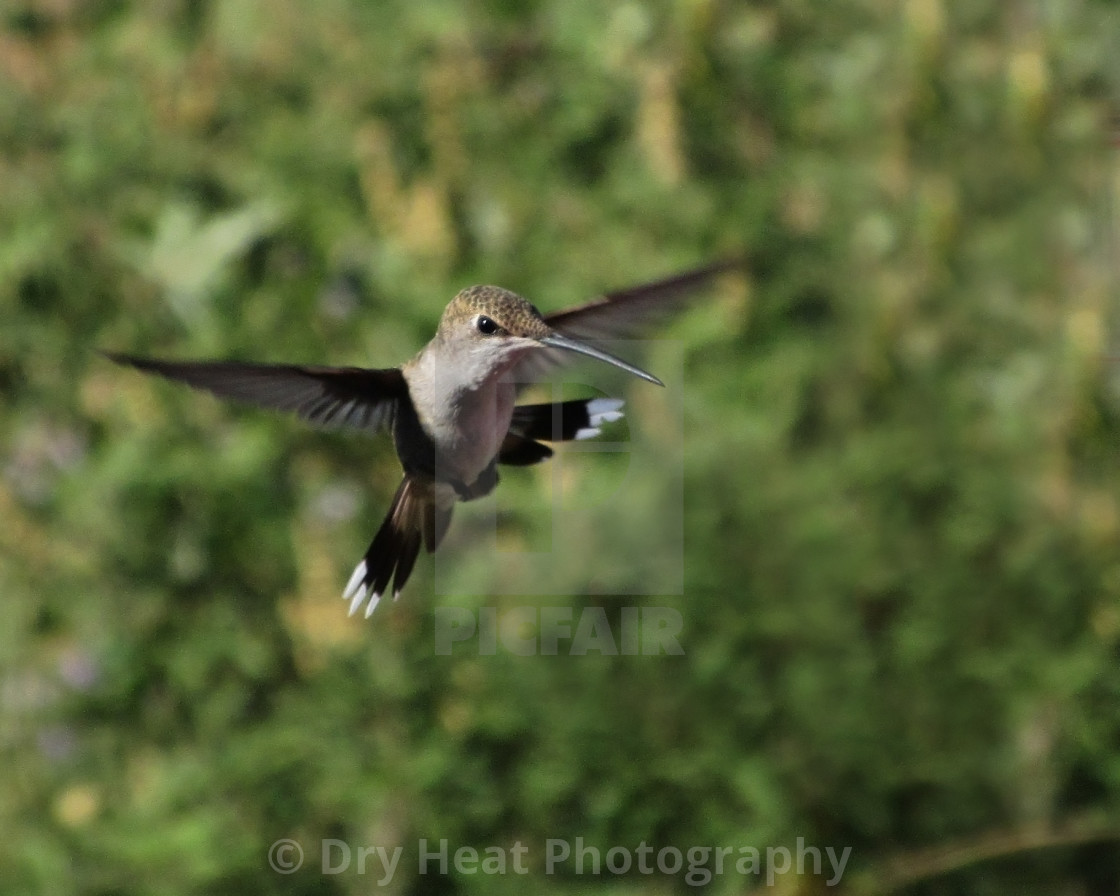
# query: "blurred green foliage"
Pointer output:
{"type": "Point", "coordinates": [901, 590]}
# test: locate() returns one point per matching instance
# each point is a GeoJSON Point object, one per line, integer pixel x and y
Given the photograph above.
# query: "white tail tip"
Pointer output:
{"type": "Point", "coordinates": [355, 583]}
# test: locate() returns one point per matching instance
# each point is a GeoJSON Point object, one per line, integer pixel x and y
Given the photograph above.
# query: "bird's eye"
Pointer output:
{"type": "Point", "coordinates": [485, 325]}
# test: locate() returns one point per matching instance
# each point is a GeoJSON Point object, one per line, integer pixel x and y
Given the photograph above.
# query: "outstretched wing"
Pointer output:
{"type": "Point", "coordinates": [325, 396]}
{"type": "Point", "coordinates": [620, 314]}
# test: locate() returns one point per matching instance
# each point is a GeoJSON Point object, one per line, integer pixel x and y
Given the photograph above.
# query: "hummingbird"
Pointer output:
{"type": "Point", "coordinates": [452, 409]}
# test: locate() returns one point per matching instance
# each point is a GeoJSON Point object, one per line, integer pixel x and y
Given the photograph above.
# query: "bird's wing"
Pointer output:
{"type": "Point", "coordinates": [620, 314]}
{"type": "Point", "coordinates": [325, 396]}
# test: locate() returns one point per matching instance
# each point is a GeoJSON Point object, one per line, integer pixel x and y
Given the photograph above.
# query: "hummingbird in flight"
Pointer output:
{"type": "Point", "coordinates": [452, 409]}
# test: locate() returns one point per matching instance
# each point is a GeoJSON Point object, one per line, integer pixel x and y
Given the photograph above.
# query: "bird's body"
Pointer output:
{"type": "Point", "coordinates": [452, 409]}
{"type": "Point", "coordinates": [466, 417]}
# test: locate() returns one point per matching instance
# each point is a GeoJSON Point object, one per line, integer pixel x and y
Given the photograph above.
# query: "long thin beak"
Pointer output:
{"type": "Point", "coordinates": [555, 340]}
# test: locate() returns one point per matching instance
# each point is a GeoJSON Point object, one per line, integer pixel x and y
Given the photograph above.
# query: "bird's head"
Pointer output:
{"type": "Point", "coordinates": [497, 327]}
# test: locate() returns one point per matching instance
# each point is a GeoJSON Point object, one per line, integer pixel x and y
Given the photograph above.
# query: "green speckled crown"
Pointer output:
{"type": "Point", "coordinates": [507, 309]}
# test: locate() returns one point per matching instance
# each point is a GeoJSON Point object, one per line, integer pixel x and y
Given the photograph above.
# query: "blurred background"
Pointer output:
{"type": "Point", "coordinates": [901, 475]}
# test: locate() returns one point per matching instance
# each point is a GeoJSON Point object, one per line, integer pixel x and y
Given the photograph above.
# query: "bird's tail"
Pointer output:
{"type": "Point", "coordinates": [415, 516]}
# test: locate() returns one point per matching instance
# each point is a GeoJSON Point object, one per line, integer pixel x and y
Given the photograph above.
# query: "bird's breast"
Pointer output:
{"type": "Point", "coordinates": [466, 425]}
